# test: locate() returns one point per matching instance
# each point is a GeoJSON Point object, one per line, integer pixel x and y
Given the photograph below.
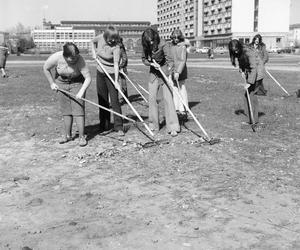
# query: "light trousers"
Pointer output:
{"type": "Point", "coordinates": [172, 122]}
{"type": "Point", "coordinates": [183, 93]}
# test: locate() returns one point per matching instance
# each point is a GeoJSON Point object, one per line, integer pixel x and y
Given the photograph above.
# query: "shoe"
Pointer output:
{"type": "Point", "coordinates": [120, 133]}
{"type": "Point", "coordinates": [82, 141]}
{"type": "Point", "coordinates": [65, 139]}
{"type": "Point", "coordinates": [152, 127]}
{"type": "Point", "coordinates": [173, 133]}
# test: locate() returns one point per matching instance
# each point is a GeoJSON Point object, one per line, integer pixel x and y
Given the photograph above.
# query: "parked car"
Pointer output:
{"type": "Point", "coordinates": [203, 50]}
{"type": "Point", "coordinates": [286, 50]}
{"type": "Point", "coordinates": [191, 50]}
{"type": "Point", "coordinates": [273, 49]}
{"type": "Point", "coordinates": [220, 50]}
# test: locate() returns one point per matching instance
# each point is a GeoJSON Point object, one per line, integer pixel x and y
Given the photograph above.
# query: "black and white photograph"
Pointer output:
{"type": "Point", "coordinates": [150, 124]}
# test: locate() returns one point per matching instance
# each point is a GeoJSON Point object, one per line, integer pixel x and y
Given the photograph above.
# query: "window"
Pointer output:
{"type": "Point", "coordinates": [278, 40]}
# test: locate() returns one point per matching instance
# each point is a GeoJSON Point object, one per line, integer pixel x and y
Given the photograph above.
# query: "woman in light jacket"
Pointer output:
{"type": "Point", "coordinates": [179, 54]}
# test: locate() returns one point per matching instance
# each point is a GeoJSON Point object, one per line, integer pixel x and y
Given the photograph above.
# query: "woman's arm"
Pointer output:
{"type": "Point", "coordinates": [116, 57]}
{"type": "Point", "coordinates": [182, 59]}
{"type": "Point", "coordinates": [50, 63]}
{"type": "Point", "coordinates": [87, 78]}
{"type": "Point", "coordinates": [144, 59]}
{"type": "Point", "coordinates": [265, 54]}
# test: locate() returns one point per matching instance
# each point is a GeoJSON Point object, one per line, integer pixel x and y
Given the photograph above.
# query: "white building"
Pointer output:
{"type": "Point", "coordinates": [54, 39]}
{"type": "Point", "coordinates": [294, 35]}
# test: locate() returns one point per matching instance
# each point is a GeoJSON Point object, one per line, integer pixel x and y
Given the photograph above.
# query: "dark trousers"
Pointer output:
{"type": "Point", "coordinates": [253, 91]}
{"type": "Point", "coordinates": [123, 85]}
{"type": "Point", "coordinates": [104, 88]}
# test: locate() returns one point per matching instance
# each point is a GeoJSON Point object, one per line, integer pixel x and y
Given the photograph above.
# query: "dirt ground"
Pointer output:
{"type": "Point", "coordinates": [243, 193]}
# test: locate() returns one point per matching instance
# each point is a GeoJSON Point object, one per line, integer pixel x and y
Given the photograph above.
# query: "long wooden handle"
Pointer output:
{"type": "Point", "coordinates": [125, 98]}
{"type": "Point", "coordinates": [122, 72]}
{"type": "Point", "coordinates": [273, 78]}
{"type": "Point", "coordinates": [99, 106]}
{"type": "Point", "coordinates": [250, 106]}
{"type": "Point", "coordinates": [186, 106]}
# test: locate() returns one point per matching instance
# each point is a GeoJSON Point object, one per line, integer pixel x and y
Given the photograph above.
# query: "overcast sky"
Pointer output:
{"type": "Point", "coordinates": [31, 12]}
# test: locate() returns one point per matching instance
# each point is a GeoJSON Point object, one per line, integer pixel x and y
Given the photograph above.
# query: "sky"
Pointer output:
{"type": "Point", "coordinates": [31, 12]}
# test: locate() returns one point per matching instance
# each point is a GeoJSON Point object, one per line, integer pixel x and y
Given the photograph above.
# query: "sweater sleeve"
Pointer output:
{"type": "Point", "coordinates": [168, 57]}
{"type": "Point", "coordinates": [182, 59]}
{"type": "Point", "coordinates": [144, 59]}
{"type": "Point", "coordinates": [265, 55]}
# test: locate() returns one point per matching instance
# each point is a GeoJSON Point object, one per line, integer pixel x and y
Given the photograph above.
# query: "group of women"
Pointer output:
{"type": "Point", "coordinates": [72, 76]}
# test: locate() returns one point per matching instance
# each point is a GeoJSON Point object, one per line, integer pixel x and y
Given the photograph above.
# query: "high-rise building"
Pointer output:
{"type": "Point", "coordinates": [214, 22]}
{"type": "Point", "coordinates": [179, 14]}
{"type": "Point", "coordinates": [242, 19]}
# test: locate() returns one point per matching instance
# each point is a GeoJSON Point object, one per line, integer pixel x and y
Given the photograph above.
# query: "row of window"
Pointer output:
{"type": "Point", "coordinates": [216, 2]}
{"type": "Point", "coordinates": [207, 12]}
{"type": "Point", "coordinates": [218, 31]}
{"type": "Point", "coordinates": [105, 25]}
{"type": "Point", "coordinates": [81, 45]}
{"type": "Point", "coordinates": [168, 9]}
{"type": "Point", "coordinates": [219, 21]}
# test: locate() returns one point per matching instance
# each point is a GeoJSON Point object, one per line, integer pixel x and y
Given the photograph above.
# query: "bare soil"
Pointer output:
{"type": "Point", "coordinates": [243, 193]}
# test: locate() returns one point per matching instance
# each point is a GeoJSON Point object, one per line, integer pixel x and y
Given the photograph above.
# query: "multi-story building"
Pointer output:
{"type": "Point", "coordinates": [81, 32]}
{"type": "Point", "coordinates": [214, 22]}
{"type": "Point", "coordinates": [179, 14]}
{"type": "Point", "coordinates": [294, 36]}
{"type": "Point", "coordinates": [54, 39]}
{"type": "Point", "coordinates": [4, 37]}
{"type": "Point", "coordinates": [242, 19]}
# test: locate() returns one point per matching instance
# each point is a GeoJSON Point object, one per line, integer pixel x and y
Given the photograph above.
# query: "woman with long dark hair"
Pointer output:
{"type": "Point", "coordinates": [156, 53]}
{"type": "Point", "coordinates": [260, 50]}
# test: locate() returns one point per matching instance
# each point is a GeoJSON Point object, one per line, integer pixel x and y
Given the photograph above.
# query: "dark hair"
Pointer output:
{"type": "Point", "coordinates": [150, 41]}
{"type": "Point", "coordinates": [70, 49]}
{"type": "Point", "coordinates": [236, 51]}
{"type": "Point", "coordinates": [259, 39]}
{"type": "Point", "coordinates": [177, 34]}
{"type": "Point", "coordinates": [111, 35]}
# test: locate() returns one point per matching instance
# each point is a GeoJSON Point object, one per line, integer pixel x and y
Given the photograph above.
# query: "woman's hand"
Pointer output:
{"type": "Point", "coordinates": [246, 85]}
{"type": "Point", "coordinates": [54, 86]}
{"type": "Point", "coordinates": [80, 94]}
{"type": "Point", "coordinates": [155, 65]}
{"type": "Point", "coordinates": [176, 76]}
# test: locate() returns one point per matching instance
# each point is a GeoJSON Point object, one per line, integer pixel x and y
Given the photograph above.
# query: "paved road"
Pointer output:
{"type": "Point", "coordinates": [285, 63]}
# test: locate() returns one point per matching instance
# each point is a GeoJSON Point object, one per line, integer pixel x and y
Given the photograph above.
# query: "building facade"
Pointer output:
{"type": "Point", "coordinates": [294, 35]}
{"type": "Point", "coordinates": [54, 39]}
{"type": "Point", "coordinates": [130, 31]}
{"type": "Point", "coordinates": [179, 14]}
{"type": "Point", "coordinates": [214, 23]}
{"type": "Point", "coordinates": [53, 36]}
{"type": "Point", "coordinates": [4, 36]}
{"type": "Point", "coordinates": [227, 19]}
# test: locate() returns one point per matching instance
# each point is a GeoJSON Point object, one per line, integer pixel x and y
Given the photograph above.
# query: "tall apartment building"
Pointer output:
{"type": "Point", "coordinates": [242, 19]}
{"type": "Point", "coordinates": [179, 14]}
{"type": "Point", "coordinates": [215, 22]}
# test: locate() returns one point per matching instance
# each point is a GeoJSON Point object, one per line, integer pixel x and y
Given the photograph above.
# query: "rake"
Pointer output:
{"type": "Point", "coordinates": [273, 78]}
{"type": "Point", "coordinates": [125, 98]}
{"type": "Point", "coordinates": [126, 76]}
{"type": "Point", "coordinates": [149, 144]}
{"type": "Point", "coordinates": [169, 82]}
